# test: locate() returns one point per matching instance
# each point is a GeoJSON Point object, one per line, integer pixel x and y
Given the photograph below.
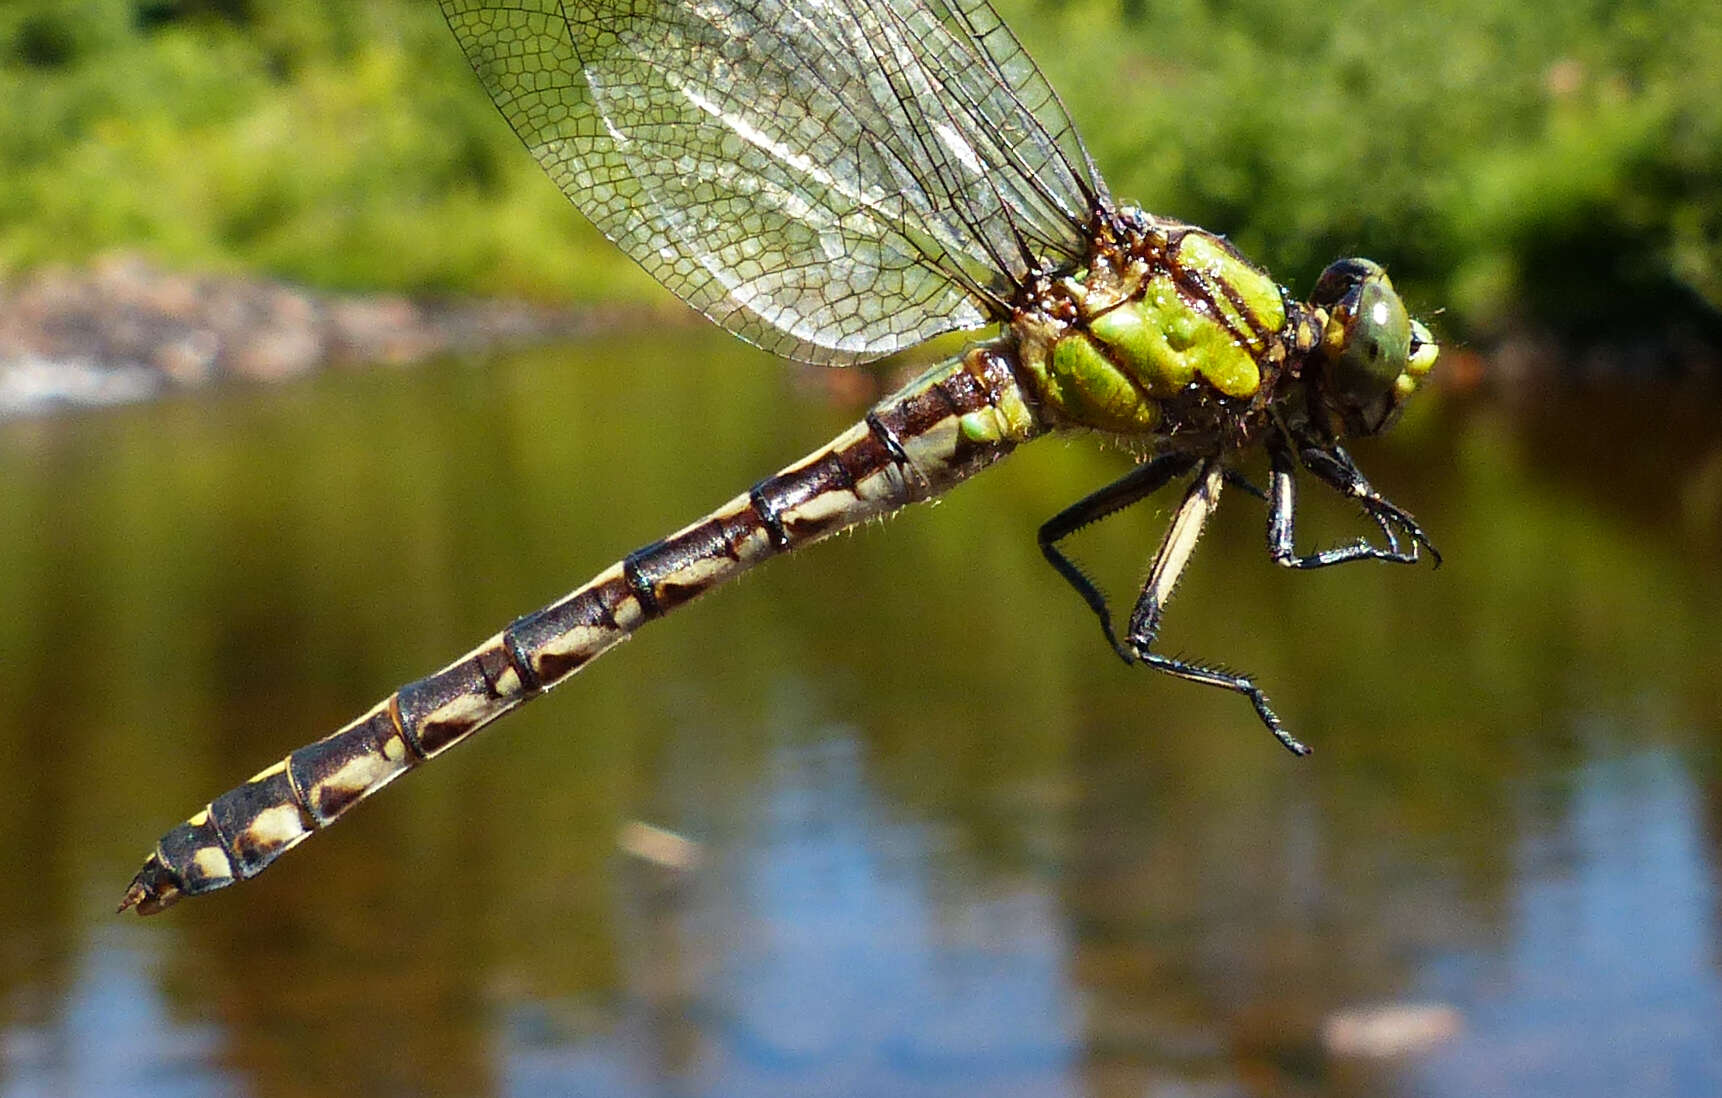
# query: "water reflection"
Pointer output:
{"type": "Point", "coordinates": [1606, 980]}
{"type": "Point", "coordinates": [947, 845]}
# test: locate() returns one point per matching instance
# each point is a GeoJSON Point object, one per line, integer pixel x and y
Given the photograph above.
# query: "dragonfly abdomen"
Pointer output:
{"type": "Point", "coordinates": [940, 429]}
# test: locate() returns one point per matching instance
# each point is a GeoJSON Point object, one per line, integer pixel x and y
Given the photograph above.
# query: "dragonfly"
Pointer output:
{"type": "Point", "coordinates": [835, 181]}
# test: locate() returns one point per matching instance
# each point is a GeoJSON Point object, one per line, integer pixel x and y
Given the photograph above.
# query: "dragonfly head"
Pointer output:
{"type": "Point", "coordinates": [1372, 355]}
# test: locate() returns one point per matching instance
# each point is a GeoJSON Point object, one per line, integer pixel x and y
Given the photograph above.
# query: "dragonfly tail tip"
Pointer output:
{"type": "Point", "coordinates": [151, 891]}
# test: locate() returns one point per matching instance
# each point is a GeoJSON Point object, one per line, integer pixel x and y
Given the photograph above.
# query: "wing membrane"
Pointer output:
{"type": "Point", "coordinates": [830, 179]}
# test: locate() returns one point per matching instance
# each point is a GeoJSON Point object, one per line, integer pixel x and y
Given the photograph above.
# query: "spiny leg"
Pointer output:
{"type": "Point", "coordinates": [1282, 519]}
{"type": "Point", "coordinates": [1174, 553]}
{"type": "Point", "coordinates": [1334, 467]}
{"type": "Point", "coordinates": [1139, 483]}
{"type": "Point", "coordinates": [1385, 513]}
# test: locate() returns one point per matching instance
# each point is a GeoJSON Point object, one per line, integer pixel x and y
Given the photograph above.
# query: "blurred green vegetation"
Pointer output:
{"type": "Point", "coordinates": [1559, 165]}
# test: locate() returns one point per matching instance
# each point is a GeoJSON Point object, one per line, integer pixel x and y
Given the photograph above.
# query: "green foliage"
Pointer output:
{"type": "Point", "coordinates": [343, 144]}
{"type": "Point", "coordinates": [1558, 163]}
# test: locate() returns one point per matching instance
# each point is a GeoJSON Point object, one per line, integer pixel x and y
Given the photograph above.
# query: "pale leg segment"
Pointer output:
{"type": "Point", "coordinates": [1199, 502]}
{"type": "Point", "coordinates": [1175, 549]}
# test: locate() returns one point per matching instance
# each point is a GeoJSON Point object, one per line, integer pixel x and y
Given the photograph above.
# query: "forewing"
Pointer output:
{"type": "Point", "coordinates": [830, 179]}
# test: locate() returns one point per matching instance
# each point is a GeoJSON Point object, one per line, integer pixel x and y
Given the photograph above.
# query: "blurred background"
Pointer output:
{"type": "Point", "coordinates": [887, 818]}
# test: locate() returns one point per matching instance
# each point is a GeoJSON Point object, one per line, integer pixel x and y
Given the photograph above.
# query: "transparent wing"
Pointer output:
{"type": "Point", "coordinates": [831, 179]}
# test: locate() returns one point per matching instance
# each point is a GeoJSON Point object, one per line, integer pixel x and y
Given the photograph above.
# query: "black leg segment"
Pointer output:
{"type": "Point", "coordinates": [1227, 680]}
{"type": "Point", "coordinates": [1334, 467]}
{"type": "Point", "coordinates": [1138, 484]}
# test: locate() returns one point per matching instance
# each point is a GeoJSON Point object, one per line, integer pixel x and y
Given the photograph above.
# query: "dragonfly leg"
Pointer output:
{"type": "Point", "coordinates": [1139, 483]}
{"type": "Point", "coordinates": [1384, 512]}
{"type": "Point", "coordinates": [1174, 553]}
{"type": "Point", "coordinates": [1334, 467]}
{"type": "Point", "coordinates": [1245, 484]}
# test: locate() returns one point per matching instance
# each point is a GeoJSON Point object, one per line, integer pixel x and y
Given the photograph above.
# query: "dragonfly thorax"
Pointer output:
{"type": "Point", "coordinates": [1165, 323]}
{"type": "Point", "coordinates": [1168, 332]}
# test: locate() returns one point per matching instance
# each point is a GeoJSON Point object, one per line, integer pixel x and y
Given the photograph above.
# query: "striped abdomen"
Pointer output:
{"type": "Point", "coordinates": [949, 424]}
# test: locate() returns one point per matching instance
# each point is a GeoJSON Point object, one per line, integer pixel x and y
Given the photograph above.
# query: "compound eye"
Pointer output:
{"type": "Point", "coordinates": [1341, 281]}
{"type": "Point", "coordinates": [1375, 340]}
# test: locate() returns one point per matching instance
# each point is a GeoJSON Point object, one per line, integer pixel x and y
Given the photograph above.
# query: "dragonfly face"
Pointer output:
{"type": "Point", "coordinates": [1373, 355]}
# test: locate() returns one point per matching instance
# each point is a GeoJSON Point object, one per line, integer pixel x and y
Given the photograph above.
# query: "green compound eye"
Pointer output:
{"type": "Point", "coordinates": [1378, 343]}
{"type": "Point", "coordinates": [1376, 354]}
{"type": "Point", "coordinates": [1368, 336]}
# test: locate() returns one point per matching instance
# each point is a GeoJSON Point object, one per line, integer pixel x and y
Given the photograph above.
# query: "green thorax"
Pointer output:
{"type": "Point", "coordinates": [1165, 318]}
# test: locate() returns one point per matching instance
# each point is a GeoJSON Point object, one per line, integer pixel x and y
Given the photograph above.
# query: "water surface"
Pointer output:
{"type": "Point", "coordinates": [948, 845]}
